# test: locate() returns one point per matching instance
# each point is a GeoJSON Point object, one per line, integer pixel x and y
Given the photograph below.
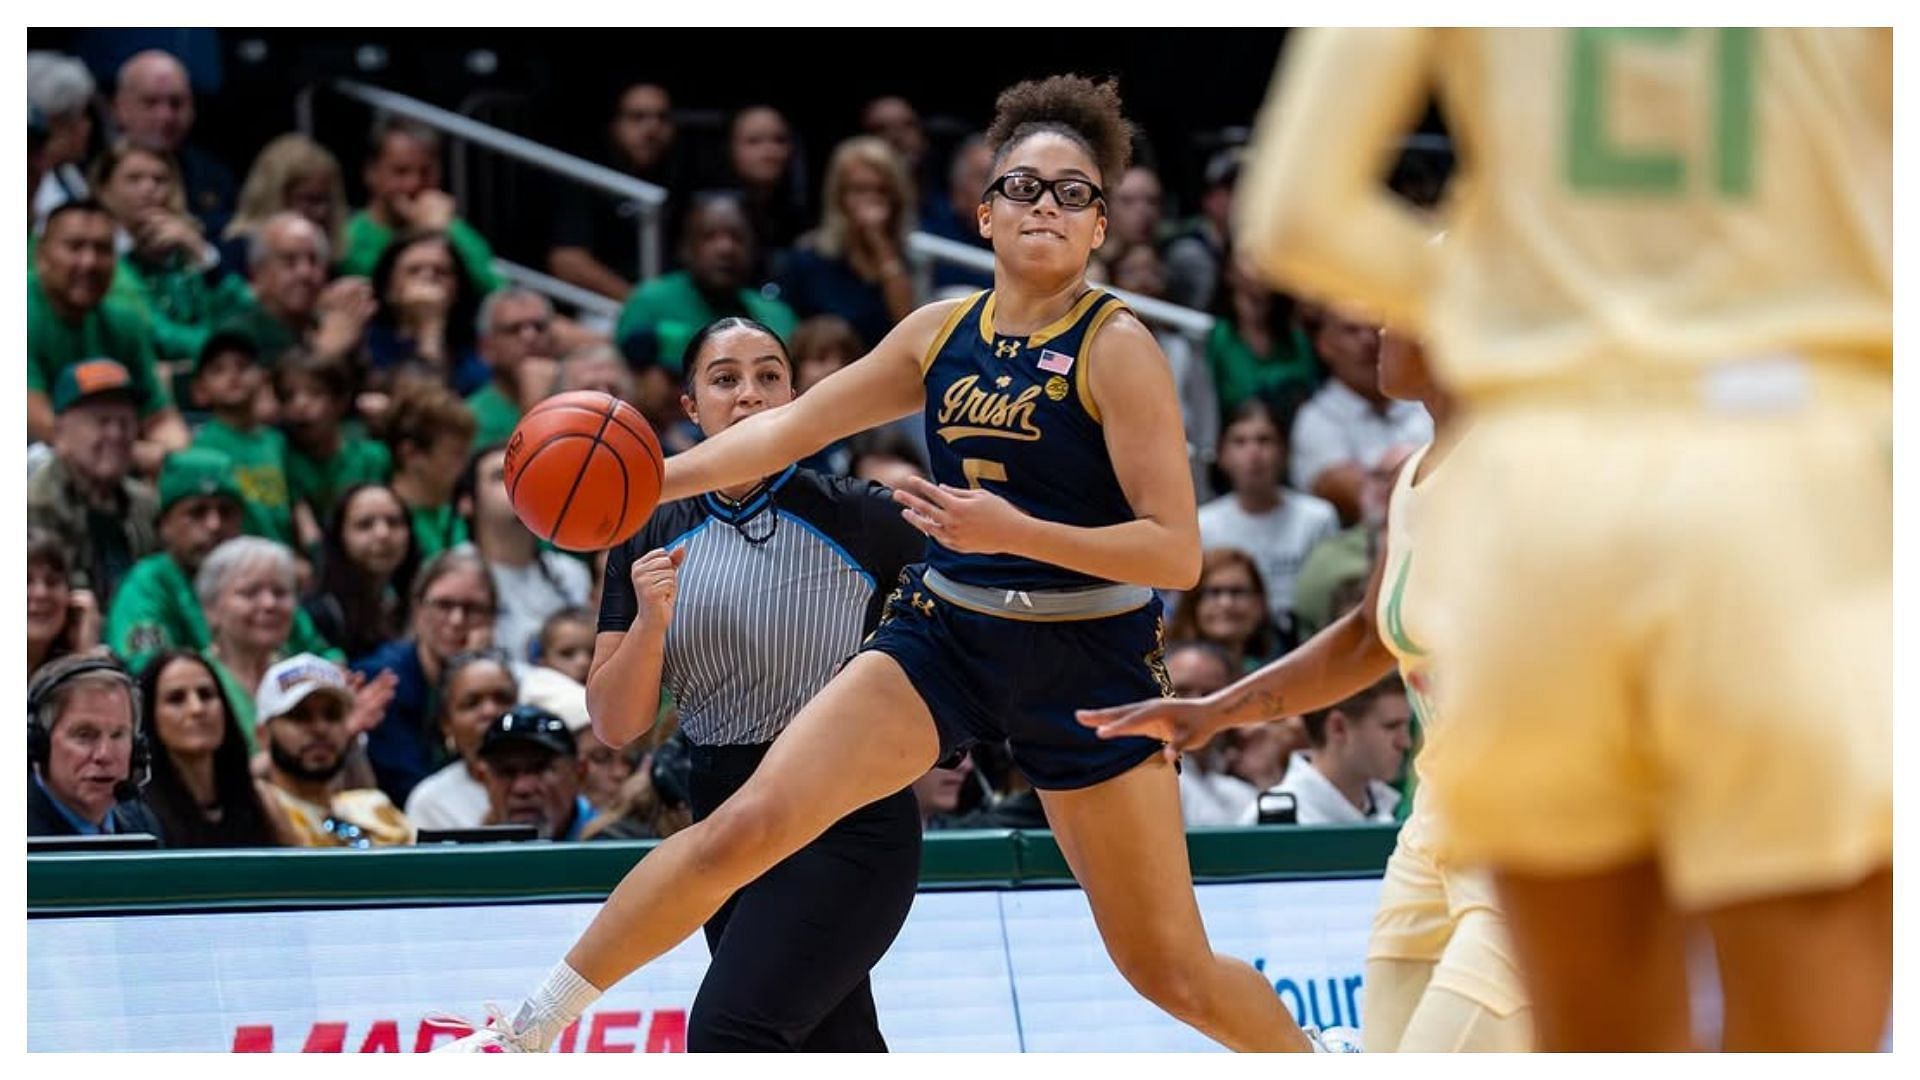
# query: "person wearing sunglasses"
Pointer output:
{"type": "Point", "coordinates": [1061, 499]}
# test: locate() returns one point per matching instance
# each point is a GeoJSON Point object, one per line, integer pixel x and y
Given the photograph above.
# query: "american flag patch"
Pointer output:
{"type": "Point", "coordinates": [1057, 362]}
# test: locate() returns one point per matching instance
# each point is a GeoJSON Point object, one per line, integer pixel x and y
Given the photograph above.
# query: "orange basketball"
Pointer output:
{"type": "Point", "coordinates": [583, 470]}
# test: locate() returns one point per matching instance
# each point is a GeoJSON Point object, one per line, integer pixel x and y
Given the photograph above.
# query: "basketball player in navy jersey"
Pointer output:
{"type": "Point", "coordinates": [1063, 499]}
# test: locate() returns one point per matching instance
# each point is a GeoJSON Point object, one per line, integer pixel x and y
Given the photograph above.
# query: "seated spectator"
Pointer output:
{"type": "Point", "coordinates": [166, 268]}
{"type": "Point", "coordinates": [1346, 558]}
{"type": "Point", "coordinates": [1137, 268]}
{"type": "Point", "coordinates": [476, 688]}
{"type": "Point", "coordinates": [566, 642]}
{"type": "Point", "coordinates": [102, 518]}
{"type": "Point", "coordinates": [885, 455]}
{"type": "Point", "coordinates": [305, 707]}
{"type": "Point", "coordinates": [1210, 794]}
{"type": "Point", "coordinates": [1257, 515]}
{"type": "Point", "coordinates": [1011, 803]}
{"type": "Point", "coordinates": [82, 726]}
{"type": "Point", "coordinates": [452, 612]}
{"type": "Point", "coordinates": [203, 790]}
{"type": "Point", "coordinates": [652, 803]}
{"type": "Point", "coordinates": [1256, 347]}
{"type": "Point", "coordinates": [938, 791]}
{"type": "Point", "coordinates": [325, 454]}
{"type": "Point", "coordinates": [429, 433]}
{"type": "Point", "coordinates": [1228, 607]}
{"type": "Point", "coordinates": [652, 388]}
{"type": "Point", "coordinates": [596, 240]}
{"type": "Point", "coordinates": [718, 249]}
{"type": "Point", "coordinates": [596, 367]}
{"type": "Point", "coordinates": [1350, 423]}
{"type": "Point", "coordinates": [1134, 210]}
{"type": "Point", "coordinates": [516, 343]}
{"type": "Point", "coordinates": [604, 768]}
{"type": "Point", "coordinates": [893, 120]}
{"type": "Point", "coordinates": [855, 264]}
{"type": "Point", "coordinates": [762, 166]}
{"type": "Point", "coordinates": [60, 88]}
{"type": "Point", "coordinates": [958, 216]}
{"type": "Point", "coordinates": [155, 606]}
{"type": "Point", "coordinates": [291, 173]}
{"type": "Point", "coordinates": [822, 345]}
{"type": "Point", "coordinates": [529, 584]}
{"type": "Point", "coordinates": [246, 588]}
{"type": "Point", "coordinates": [1196, 255]}
{"type": "Point", "coordinates": [1358, 748]}
{"type": "Point", "coordinates": [61, 620]}
{"type": "Point", "coordinates": [153, 108]}
{"type": "Point", "coordinates": [427, 314]}
{"type": "Point", "coordinates": [294, 306]}
{"type": "Point", "coordinates": [228, 382]}
{"type": "Point", "coordinates": [70, 319]}
{"type": "Point", "coordinates": [404, 196]}
{"type": "Point", "coordinates": [367, 564]}
{"type": "Point", "coordinates": [531, 767]}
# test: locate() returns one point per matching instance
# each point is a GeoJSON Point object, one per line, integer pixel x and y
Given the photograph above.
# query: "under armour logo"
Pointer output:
{"type": "Point", "coordinates": [922, 604]}
{"type": "Point", "coordinates": [1006, 350]}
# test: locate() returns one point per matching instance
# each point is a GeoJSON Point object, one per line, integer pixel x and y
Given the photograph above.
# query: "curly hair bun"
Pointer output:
{"type": "Point", "coordinates": [1074, 106]}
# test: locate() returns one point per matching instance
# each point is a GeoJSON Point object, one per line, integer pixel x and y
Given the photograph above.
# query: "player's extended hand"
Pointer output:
{"type": "Point", "coordinates": [972, 520]}
{"type": "Point", "coordinates": [656, 584]}
{"type": "Point", "coordinates": [1183, 724]}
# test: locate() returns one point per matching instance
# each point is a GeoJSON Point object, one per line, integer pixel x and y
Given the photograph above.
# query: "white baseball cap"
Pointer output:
{"type": "Point", "coordinates": [557, 694]}
{"type": "Point", "coordinates": [287, 683]}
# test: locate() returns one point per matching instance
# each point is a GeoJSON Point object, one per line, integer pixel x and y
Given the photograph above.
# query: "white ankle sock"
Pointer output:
{"type": "Point", "coordinates": [559, 1002]}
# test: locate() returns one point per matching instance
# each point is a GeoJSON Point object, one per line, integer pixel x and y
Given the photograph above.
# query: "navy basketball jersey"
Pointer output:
{"type": "Point", "coordinates": [1015, 415]}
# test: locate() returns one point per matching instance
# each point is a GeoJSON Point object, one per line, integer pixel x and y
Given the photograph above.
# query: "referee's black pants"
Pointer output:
{"type": "Point", "coordinates": [792, 950]}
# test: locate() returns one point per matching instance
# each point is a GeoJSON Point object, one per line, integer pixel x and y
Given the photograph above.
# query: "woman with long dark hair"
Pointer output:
{"type": "Point", "coordinates": [368, 559]}
{"type": "Point", "coordinates": [428, 310]}
{"type": "Point", "coordinates": [201, 788]}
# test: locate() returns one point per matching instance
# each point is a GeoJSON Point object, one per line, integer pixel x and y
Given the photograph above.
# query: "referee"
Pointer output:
{"type": "Point", "coordinates": [743, 603]}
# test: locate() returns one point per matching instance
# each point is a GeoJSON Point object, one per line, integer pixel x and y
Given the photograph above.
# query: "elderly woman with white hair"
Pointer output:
{"type": "Point", "coordinates": [248, 591]}
{"type": "Point", "coordinates": [60, 90]}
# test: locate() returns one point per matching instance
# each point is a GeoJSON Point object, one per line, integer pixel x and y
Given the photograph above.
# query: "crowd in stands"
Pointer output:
{"type": "Point", "coordinates": [272, 567]}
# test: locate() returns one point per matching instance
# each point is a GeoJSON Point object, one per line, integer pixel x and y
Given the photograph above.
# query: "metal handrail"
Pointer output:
{"type": "Point", "coordinates": [926, 246]}
{"type": "Point", "coordinates": [584, 300]}
{"type": "Point", "coordinates": [651, 197]}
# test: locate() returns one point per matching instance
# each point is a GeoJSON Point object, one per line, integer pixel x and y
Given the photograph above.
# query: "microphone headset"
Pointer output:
{"type": "Point", "coordinates": [40, 693]}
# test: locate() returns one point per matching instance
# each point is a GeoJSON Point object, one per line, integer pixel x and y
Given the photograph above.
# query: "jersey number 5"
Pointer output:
{"type": "Point", "coordinates": [1595, 164]}
{"type": "Point", "coordinates": [978, 469]}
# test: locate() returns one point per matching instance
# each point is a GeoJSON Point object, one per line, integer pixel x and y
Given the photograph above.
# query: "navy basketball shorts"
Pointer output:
{"type": "Point", "coordinates": [990, 677]}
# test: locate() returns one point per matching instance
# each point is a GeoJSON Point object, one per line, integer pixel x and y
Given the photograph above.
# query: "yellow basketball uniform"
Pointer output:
{"type": "Point", "coordinates": [1441, 920]}
{"type": "Point", "coordinates": [1664, 566]}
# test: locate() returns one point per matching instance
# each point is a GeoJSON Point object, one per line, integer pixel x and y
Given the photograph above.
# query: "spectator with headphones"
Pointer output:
{"type": "Point", "coordinates": [85, 750]}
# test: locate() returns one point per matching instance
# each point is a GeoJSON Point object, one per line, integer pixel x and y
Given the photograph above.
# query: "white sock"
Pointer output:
{"type": "Point", "coordinates": [559, 1002]}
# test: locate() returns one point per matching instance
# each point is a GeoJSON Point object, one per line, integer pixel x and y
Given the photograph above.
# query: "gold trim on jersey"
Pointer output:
{"type": "Point", "coordinates": [1048, 332]}
{"type": "Point", "coordinates": [958, 313]}
{"type": "Point", "coordinates": [1083, 363]}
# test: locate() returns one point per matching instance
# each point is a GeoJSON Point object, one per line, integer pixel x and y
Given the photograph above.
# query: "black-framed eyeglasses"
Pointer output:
{"type": "Point", "coordinates": [1070, 192]}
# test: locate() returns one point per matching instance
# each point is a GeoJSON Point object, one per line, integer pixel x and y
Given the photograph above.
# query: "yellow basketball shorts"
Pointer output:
{"type": "Point", "coordinates": [1667, 633]}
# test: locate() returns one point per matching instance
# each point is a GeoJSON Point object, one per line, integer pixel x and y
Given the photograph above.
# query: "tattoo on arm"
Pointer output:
{"type": "Point", "coordinates": [1256, 702]}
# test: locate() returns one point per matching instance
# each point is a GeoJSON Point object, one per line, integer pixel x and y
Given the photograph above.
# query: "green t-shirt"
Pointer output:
{"type": "Point", "coordinates": [676, 311]}
{"type": "Point", "coordinates": [1239, 373]}
{"type": "Point", "coordinates": [183, 306]}
{"type": "Point", "coordinates": [494, 414]}
{"type": "Point", "coordinates": [111, 330]}
{"type": "Point", "coordinates": [366, 240]}
{"type": "Point", "coordinates": [245, 712]}
{"type": "Point", "coordinates": [270, 334]}
{"type": "Point", "coordinates": [155, 609]}
{"type": "Point", "coordinates": [320, 484]}
{"type": "Point", "coordinates": [260, 468]}
{"type": "Point", "coordinates": [436, 528]}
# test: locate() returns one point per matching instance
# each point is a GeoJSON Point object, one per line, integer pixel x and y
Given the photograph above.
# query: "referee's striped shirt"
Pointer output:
{"type": "Point", "coordinates": [774, 593]}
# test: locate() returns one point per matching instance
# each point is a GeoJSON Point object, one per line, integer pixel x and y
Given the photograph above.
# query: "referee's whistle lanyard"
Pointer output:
{"type": "Point", "coordinates": [746, 513]}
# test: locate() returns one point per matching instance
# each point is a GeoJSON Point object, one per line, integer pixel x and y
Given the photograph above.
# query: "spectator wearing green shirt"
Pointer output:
{"type": "Point", "coordinates": [429, 432]}
{"type": "Point", "coordinates": [70, 319]}
{"type": "Point", "coordinates": [87, 497]}
{"type": "Point", "coordinates": [166, 267]}
{"type": "Point", "coordinates": [516, 341]}
{"type": "Point", "coordinates": [718, 249]}
{"type": "Point", "coordinates": [403, 195]}
{"type": "Point", "coordinates": [325, 455]}
{"type": "Point", "coordinates": [228, 381]}
{"type": "Point", "coordinates": [155, 607]}
{"type": "Point", "coordinates": [1257, 347]}
{"type": "Point", "coordinates": [293, 303]}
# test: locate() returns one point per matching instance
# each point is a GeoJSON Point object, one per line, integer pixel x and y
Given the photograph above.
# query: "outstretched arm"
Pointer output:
{"type": "Point", "coordinates": [881, 386]}
{"type": "Point", "coordinates": [1338, 662]}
